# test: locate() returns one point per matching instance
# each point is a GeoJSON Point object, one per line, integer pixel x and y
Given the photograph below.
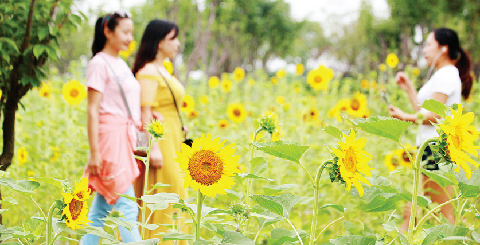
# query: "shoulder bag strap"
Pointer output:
{"type": "Point", "coordinates": [174, 100]}
{"type": "Point", "coordinates": [121, 90]}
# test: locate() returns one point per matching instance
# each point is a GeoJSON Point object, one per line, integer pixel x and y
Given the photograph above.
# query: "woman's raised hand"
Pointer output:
{"type": "Point", "coordinates": [403, 81]}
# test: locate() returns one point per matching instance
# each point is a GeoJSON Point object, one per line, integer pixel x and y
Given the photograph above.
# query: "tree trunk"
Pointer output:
{"type": "Point", "coordinates": [201, 42]}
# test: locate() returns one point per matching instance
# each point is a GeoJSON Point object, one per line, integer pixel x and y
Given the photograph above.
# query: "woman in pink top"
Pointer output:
{"type": "Point", "coordinates": [111, 167]}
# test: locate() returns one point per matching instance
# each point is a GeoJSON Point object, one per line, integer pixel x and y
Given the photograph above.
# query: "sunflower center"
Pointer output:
{"type": "Point", "coordinates": [75, 208]}
{"type": "Point", "coordinates": [457, 139]}
{"type": "Point", "coordinates": [205, 167]}
{"type": "Point", "coordinates": [350, 160]}
{"type": "Point", "coordinates": [355, 104]}
{"type": "Point", "coordinates": [184, 104]}
{"type": "Point", "coordinates": [45, 94]}
{"type": "Point", "coordinates": [318, 79]}
{"type": "Point", "coordinates": [395, 162]}
{"type": "Point", "coordinates": [237, 112]}
{"type": "Point", "coordinates": [405, 157]}
{"type": "Point", "coordinates": [74, 92]}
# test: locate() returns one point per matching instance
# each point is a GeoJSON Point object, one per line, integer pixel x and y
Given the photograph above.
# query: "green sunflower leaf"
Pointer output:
{"type": "Point", "coordinates": [161, 198]}
{"type": "Point", "coordinates": [152, 241]}
{"type": "Point", "coordinates": [337, 207]}
{"type": "Point", "coordinates": [386, 127]}
{"type": "Point", "coordinates": [357, 240]}
{"type": "Point", "coordinates": [233, 237]}
{"type": "Point", "coordinates": [275, 189]}
{"type": "Point", "coordinates": [25, 186]}
{"type": "Point", "coordinates": [333, 131]}
{"type": "Point", "coordinates": [440, 179]}
{"type": "Point", "coordinates": [176, 236]}
{"type": "Point", "coordinates": [441, 232]}
{"type": "Point", "coordinates": [281, 205]}
{"type": "Point", "coordinates": [289, 150]}
{"type": "Point", "coordinates": [282, 236]}
{"type": "Point", "coordinates": [436, 107]}
{"type": "Point", "coordinates": [468, 187]}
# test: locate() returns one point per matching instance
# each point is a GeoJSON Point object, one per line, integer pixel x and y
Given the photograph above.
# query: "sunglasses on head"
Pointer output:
{"type": "Point", "coordinates": [119, 13]}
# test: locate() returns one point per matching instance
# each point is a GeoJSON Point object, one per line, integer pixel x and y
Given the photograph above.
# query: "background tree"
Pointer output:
{"type": "Point", "coordinates": [29, 35]}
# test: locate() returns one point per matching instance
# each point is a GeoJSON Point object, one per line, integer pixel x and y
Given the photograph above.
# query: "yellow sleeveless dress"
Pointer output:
{"type": "Point", "coordinates": [170, 173]}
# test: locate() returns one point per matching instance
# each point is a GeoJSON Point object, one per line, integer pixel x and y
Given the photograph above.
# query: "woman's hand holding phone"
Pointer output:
{"type": "Point", "coordinates": [403, 81]}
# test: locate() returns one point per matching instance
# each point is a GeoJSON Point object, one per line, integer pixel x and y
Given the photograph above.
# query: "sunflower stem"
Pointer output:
{"type": "Point", "coordinates": [49, 224]}
{"type": "Point", "coordinates": [316, 185]}
{"type": "Point", "coordinates": [198, 223]}
{"type": "Point", "coordinates": [147, 168]}
{"type": "Point", "coordinates": [420, 223]}
{"type": "Point", "coordinates": [250, 169]}
{"type": "Point", "coordinates": [326, 227]}
{"type": "Point", "coordinates": [416, 178]}
{"type": "Point", "coordinates": [295, 230]}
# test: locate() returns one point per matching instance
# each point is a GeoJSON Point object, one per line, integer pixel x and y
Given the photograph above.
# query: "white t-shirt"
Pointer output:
{"type": "Point", "coordinates": [446, 81]}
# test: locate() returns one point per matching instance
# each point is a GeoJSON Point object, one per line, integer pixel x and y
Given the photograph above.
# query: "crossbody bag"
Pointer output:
{"type": "Point", "coordinates": [187, 141]}
{"type": "Point", "coordinates": [142, 142]}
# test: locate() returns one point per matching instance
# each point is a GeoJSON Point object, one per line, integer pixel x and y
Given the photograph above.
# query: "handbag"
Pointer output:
{"type": "Point", "coordinates": [187, 141]}
{"type": "Point", "coordinates": [142, 139]}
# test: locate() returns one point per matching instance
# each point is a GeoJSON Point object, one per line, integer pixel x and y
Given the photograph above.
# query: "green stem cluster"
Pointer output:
{"type": "Point", "coordinates": [147, 168]}
{"type": "Point", "coordinates": [198, 220]}
{"type": "Point", "coordinates": [316, 189]}
{"type": "Point", "coordinates": [416, 180]}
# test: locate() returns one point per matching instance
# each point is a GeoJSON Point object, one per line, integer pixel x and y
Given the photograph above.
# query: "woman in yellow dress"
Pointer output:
{"type": "Point", "coordinates": [159, 91]}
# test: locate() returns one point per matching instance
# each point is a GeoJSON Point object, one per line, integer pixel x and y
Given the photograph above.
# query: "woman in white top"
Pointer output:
{"type": "Point", "coordinates": [451, 81]}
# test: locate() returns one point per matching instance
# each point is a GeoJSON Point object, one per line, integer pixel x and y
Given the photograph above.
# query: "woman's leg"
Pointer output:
{"type": "Point", "coordinates": [438, 195]}
{"type": "Point", "coordinates": [130, 211]}
{"type": "Point", "coordinates": [98, 209]}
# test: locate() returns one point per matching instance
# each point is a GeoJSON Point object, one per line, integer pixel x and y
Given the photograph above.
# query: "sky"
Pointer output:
{"type": "Point", "coordinates": [323, 11]}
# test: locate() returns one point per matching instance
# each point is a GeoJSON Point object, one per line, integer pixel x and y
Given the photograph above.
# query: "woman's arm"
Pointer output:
{"type": "Point", "coordinates": [94, 163]}
{"type": "Point", "coordinates": [428, 118]}
{"type": "Point", "coordinates": [147, 97]}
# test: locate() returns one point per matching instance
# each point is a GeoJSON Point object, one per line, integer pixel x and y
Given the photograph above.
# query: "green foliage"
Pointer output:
{"type": "Point", "coordinates": [289, 150]}
{"type": "Point", "coordinates": [281, 205]}
{"type": "Point", "coordinates": [386, 127]}
{"type": "Point", "coordinates": [233, 237]}
{"type": "Point", "coordinates": [468, 187]}
{"type": "Point", "coordinates": [442, 232]}
{"type": "Point", "coordinates": [436, 107]}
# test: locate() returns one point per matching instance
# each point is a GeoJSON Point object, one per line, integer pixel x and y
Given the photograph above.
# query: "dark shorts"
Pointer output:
{"type": "Point", "coordinates": [430, 165]}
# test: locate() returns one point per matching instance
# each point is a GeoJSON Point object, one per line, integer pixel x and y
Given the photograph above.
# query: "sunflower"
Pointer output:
{"type": "Point", "coordinates": [22, 155]}
{"type": "Point", "coordinates": [168, 65]}
{"type": "Point", "coordinates": [44, 90]}
{"type": "Point", "coordinates": [1, 93]}
{"type": "Point", "coordinates": [364, 84]}
{"type": "Point", "coordinates": [213, 82]}
{"type": "Point", "coordinates": [268, 122]}
{"type": "Point", "coordinates": [188, 104]}
{"type": "Point", "coordinates": [251, 82]}
{"type": "Point", "coordinates": [74, 92]}
{"type": "Point", "coordinates": [274, 80]}
{"type": "Point", "coordinates": [286, 106]}
{"type": "Point", "coordinates": [382, 67]}
{"type": "Point", "coordinates": [352, 161]}
{"type": "Point", "coordinates": [223, 123]}
{"type": "Point", "coordinates": [392, 60]}
{"type": "Point", "coordinates": [203, 99]}
{"type": "Point", "coordinates": [299, 69]}
{"type": "Point", "coordinates": [416, 72]}
{"type": "Point", "coordinates": [238, 74]}
{"type": "Point", "coordinates": [193, 114]}
{"type": "Point", "coordinates": [131, 48]}
{"type": "Point", "coordinates": [459, 136]}
{"type": "Point", "coordinates": [280, 99]}
{"type": "Point", "coordinates": [30, 173]}
{"type": "Point", "coordinates": [297, 89]}
{"type": "Point", "coordinates": [391, 161]}
{"type": "Point", "coordinates": [156, 129]}
{"type": "Point", "coordinates": [236, 112]}
{"type": "Point", "coordinates": [374, 85]}
{"type": "Point", "coordinates": [311, 114]}
{"type": "Point", "coordinates": [358, 105]}
{"type": "Point", "coordinates": [76, 209]}
{"type": "Point", "coordinates": [226, 85]}
{"type": "Point", "coordinates": [54, 157]}
{"type": "Point", "coordinates": [320, 77]}
{"type": "Point", "coordinates": [402, 155]}
{"type": "Point", "coordinates": [280, 73]}
{"type": "Point", "coordinates": [208, 165]}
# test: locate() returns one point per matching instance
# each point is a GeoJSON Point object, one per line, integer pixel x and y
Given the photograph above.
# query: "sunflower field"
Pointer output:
{"type": "Point", "coordinates": [308, 157]}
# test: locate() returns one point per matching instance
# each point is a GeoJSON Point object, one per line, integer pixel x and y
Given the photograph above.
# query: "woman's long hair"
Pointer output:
{"type": "Point", "coordinates": [155, 32]}
{"type": "Point", "coordinates": [99, 38]}
{"type": "Point", "coordinates": [449, 37]}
